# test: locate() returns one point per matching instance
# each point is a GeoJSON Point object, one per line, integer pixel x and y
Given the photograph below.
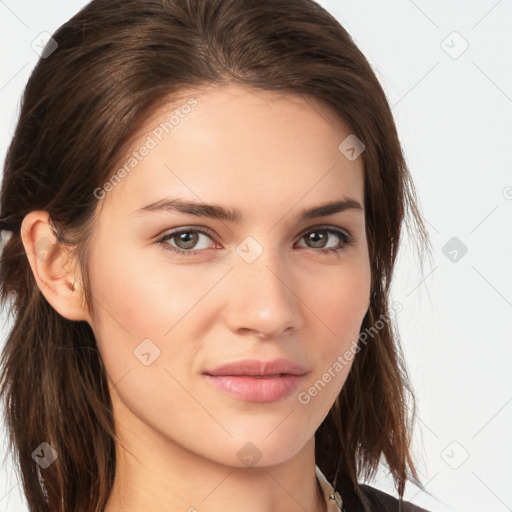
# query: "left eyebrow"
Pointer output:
{"type": "Point", "coordinates": [235, 215]}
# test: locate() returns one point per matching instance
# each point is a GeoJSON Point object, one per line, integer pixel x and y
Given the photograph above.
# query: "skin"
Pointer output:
{"type": "Point", "coordinates": [270, 156]}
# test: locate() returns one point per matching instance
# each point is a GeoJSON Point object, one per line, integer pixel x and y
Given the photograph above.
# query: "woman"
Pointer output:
{"type": "Point", "coordinates": [205, 200]}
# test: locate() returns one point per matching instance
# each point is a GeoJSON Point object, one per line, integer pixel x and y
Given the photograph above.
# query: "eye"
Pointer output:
{"type": "Point", "coordinates": [187, 238]}
{"type": "Point", "coordinates": [318, 236]}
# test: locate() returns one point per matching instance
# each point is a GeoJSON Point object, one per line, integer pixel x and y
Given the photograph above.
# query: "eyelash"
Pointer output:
{"type": "Point", "coordinates": [347, 239]}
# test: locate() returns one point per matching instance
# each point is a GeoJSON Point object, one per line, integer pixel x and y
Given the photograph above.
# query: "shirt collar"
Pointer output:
{"type": "Point", "coordinates": [327, 489]}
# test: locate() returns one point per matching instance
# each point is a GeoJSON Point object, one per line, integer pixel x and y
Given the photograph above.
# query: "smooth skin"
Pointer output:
{"type": "Point", "coordinates": [270, 156]}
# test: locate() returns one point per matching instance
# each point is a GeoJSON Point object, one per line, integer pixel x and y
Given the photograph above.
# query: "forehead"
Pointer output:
{"type": "Point", "coordinates": [238, 145]}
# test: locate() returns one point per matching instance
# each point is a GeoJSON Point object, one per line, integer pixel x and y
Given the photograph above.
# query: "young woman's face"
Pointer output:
{"type": "Point", "coordinates": [216, 291]}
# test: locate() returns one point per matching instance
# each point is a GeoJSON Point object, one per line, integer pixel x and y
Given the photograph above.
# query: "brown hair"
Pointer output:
{"type": "Point", "coordinates": [116, 62]}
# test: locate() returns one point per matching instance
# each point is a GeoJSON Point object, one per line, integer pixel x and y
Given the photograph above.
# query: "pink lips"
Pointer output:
{"type": "Point", "coordinates": [257, 381]}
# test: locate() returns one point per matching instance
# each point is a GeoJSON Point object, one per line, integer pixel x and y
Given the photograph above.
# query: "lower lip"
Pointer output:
{"type": "Point", "coordinates": [254, 389]}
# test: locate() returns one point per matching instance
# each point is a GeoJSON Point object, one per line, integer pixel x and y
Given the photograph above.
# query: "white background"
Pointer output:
{"type": "Point", "coordinates": [453, 110]}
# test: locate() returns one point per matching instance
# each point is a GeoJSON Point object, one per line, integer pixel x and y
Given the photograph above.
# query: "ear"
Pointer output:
{"type": "Point", "coordinates": [49, 263]}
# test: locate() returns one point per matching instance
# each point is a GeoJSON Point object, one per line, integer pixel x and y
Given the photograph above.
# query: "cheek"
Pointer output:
{"type": "Point", "coordinates": [130, 306]}
{"type": "Point", "coordinates": [343, 299]}
{"type": "Point", "coordinates": [141, 296]}
{"type": "Point", "coordinates": [340, 306]}
{"type": "Point", "coordinates": [137, 301]}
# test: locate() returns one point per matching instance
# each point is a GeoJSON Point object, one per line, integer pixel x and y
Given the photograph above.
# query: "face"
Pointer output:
{"type": "Point", "coordinates": [179, 294]}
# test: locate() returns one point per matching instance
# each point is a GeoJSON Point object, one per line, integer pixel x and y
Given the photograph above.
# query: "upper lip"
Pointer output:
{"type": "Point", "coordinates": [256, 367]}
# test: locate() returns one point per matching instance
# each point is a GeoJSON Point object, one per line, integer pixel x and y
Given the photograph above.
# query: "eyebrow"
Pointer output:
{"type": "Point", "coordinates": [234, 215]}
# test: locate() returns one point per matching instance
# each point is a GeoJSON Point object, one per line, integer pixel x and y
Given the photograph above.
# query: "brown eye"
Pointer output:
{"type": "Point", "coordinates": [319, 238]}
{"type": "Point", "coordinates": [185, 240]}
{"type": "Point", "coordinates": [188, 238]}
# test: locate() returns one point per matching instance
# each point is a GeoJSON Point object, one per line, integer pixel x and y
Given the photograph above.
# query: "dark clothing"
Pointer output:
{"type": "Point", "coordinates": [383, 502]}
{"type": "Point", "coordinates": [378, 501]}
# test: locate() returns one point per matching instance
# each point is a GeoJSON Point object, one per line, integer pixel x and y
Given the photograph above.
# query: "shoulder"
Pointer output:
{"type": "Point", "coordinates": [383, 502]}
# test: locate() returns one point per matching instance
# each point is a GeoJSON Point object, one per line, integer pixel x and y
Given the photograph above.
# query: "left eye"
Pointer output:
{"type": "Point", "coordinates": [188, 238]}
{"type": "Point", "coordinates": [344, 237]}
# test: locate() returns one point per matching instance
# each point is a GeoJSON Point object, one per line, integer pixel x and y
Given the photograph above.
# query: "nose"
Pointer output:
{"type": "Point", "coordinates": [262, 300]}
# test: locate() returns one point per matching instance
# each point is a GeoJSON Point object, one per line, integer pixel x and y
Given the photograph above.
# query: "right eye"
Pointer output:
{"type": "Point", "coordinates": [188, 241]}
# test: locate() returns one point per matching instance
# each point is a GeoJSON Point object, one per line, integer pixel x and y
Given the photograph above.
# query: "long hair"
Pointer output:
{"type": "Point", "coordinates": [110, 67]}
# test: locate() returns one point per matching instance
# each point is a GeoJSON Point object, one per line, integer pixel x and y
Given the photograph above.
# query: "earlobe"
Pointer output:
{"type": "Point", "coordinates": [48, 261]}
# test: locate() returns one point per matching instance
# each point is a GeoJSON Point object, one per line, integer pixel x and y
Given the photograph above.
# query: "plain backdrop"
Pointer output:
{"type": "Point", "coordinates": [446, 68]}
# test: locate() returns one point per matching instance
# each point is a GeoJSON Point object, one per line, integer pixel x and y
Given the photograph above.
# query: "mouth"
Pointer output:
{"type": "Point", "coordinates": [258, 368]}
{"type": "Point", "coordinates": [256, 388]}
{"type": "Point", "coordinates": [254, 380]}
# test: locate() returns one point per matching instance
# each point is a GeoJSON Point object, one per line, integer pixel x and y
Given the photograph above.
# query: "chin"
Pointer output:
{"type": "Point", "coordinates": [264, 447]}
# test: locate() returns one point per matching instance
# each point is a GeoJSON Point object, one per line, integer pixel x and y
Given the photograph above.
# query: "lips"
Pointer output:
{"type": "Point", "coordinates": [252, 380]}
{"type": "Point", "coordinates": [258, 368]}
